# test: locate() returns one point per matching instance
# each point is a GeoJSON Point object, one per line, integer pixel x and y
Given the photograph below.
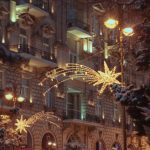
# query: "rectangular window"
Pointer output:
{"type": "Point", "coordinates": [98, 109]}
{"type": "Point", "coordinates": [74, 106]}
{"type": "Point", "coordinates": [115, 113]}
{"type": "Point", "coordinates": [73, 58]}
{"type": "Point", "coordinates": [49, 99]}
{"type": "Point", "coordinates": [25, 89]}
{"type": "Point", "coordinates": [87, 45]}
{"type": "Point", "coordinates": [1, 79]}
{"type": "Point", "coordinates": [46, 48]}
{"type": "Point", "coordinates": [23, 43]}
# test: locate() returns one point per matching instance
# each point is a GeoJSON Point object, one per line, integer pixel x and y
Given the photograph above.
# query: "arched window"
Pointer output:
{"type": "Point", "coordinates": [49, 142]}
{"type": "Point", "coordinates": [100, 145]}
{"type": "Point", "coordinates": [116, 146]}
{"type": "Point", "coordinates": [74, 142]}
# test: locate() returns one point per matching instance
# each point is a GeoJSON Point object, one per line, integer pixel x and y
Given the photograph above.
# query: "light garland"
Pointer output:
{"type": "Point", "coordinates": [48, 116]}
{"type": "Point", "coordinates": [78, 71]}
{"type": "Point", "coordinates": [4, 119]}
{"type": "Point", "coordinates": [23, 124]}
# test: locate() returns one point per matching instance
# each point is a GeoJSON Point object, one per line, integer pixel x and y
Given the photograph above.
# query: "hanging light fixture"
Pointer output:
{"type": "Point", "coordinates": [20, 99]}
{"type": "Point", "coordinates": [128, 31]}
{"type": "Point", "coordinates": [9, 96]}
{"type": "Point", "coordinates": [111, 23]}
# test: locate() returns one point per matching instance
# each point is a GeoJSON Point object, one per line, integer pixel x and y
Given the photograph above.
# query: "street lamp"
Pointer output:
{"type": "Point", "coordinates": [10, 94]}
{"type": "Point", "coordinates": [127, 31]}
{"type": "Point", "coordinates": [111, 23]}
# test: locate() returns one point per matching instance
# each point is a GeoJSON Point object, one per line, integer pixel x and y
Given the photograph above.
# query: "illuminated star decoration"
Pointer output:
{"type": "Point", "coordinates": [109, 77]}
{"type": "Point", "coordinates": [21, 124]}
{"type": "Point", "coordinates": [77, 71]}
{"type": "Point", "coordinates": [49, 116]}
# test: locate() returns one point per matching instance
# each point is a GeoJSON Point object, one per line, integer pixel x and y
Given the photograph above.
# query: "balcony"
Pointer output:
{"type": "Point", "coordinates": [36, 8]}
{"type": "Point", "coordinates": [78, 28]}
{"type": "Point", "coordinates": [38, 57]}
{"type": "Point", "coordinates": [74, 116]}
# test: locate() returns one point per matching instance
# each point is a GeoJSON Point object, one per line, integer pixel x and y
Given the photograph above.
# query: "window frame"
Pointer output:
{"type": "Point", "coordinates": [2, 80]}
{"type": "Point", "coordinates": [25, 88]}
{"type": "Point", "coordinates": [98, 109]}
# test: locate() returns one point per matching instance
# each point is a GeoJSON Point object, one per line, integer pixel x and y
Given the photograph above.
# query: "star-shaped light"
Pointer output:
{"type": "Point", "coordinates": [107, 78]}
{"type": "Point", "coordinates": [77, 71]}
{"type": "Point", "coordinates": [21, 124]}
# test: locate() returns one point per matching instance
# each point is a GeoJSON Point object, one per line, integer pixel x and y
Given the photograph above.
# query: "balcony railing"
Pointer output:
{"type": "Point", "coordinates": [75, 114]}
{"type": "Point", "coordinates": [37, 52]}
{"type": "Point", "coordinates": [38, 3]}
{"type": "Point", "coordinates": [78, 23]}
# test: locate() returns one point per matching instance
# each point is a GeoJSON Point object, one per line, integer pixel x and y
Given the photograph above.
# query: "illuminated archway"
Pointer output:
{"type": "Point", "coordinates": [74, 142]}
{"type": "Point", "coordinates": [49, 142]}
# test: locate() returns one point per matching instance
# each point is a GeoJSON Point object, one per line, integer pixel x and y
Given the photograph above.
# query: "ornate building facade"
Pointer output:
{"type": "Point", "coordinates": [39, 35]}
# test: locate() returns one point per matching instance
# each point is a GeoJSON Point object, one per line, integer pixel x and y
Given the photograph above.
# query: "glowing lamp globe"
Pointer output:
{"type": "Point", "coordinates": [128, 31]}
{"type": "Point", "coordinates": [49, 143]}
{"type": "Point", "coordinates": [54, 144]}
{"type": "Point", "coordinates": [111, 23]}
{"type": "Point", "coordinates": [9, 96]}
{"type": "Point", "coordinates": [20, 99]}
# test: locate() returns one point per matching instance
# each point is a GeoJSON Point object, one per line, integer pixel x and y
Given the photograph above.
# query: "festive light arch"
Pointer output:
{"type": "Point", "coordinates": [77, 71]}
{"type": "Point", "coordinates": [23, 124]}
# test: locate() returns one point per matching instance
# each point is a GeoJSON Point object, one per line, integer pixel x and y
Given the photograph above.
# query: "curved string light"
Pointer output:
{"type": "Point", "coordinates": [77, 71]}
{"type": "Point", "coordinates": [23, 124]}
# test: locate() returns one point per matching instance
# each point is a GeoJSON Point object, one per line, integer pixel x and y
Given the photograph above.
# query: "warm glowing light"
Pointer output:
{"type": "Point", "coordinates": [119, 119]}
{"type": "Point", "coordinates": [74, 71]}
{"type": "Point", "coordinates": [31, 100]}
{"type": "Point", "coordinates": [13, 11]}
{"type": "Point", "coordinates": [3, 39]}
{"type": "Point", "coordinates": [103, 115]}
{"type": "Point", "coordinates": [9, 96]}
{"type": "Point", "coordinates": [111, 23]}
{"type": "Point", "coordinates": [21, 124]}
{"type": "Point", "coordinates": [49, 143]}
{"type": "Point", "coordinates": [54, 144]}
{"type": "Point", "coordinates": [49, 116]}
{"type": "Point", "coordinates": [109, 77]}
{"type": "Point", "coordinates": [128, 31]}
{"type": "Point", "coordinates": [20, 99]}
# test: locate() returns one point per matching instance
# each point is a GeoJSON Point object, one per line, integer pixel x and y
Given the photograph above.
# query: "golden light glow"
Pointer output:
{"type": "Point", "coordinates": [21, 124]}
{"type": "Point", "coordinates": [4, 119]}
{"type": "Point", "coordinates": [13, 11]}
{"type": "Point", "coordinates": [109, 77]}
{"type": "Point", "coordinates": [54, 144]}
{"type": "Point", "coordinates": [74, 71]}
{"type": "Point", "coordinates": [128, 31]}
{"type": "Point", "coordinates": [49, 116]}
{"type": "Point", "coordinates": [111, 23]}
{"type": "Point", "coordinates": [49, 143]}
{"type": "Point", "coordinates": [9, 96]}
{"type": "Point", "coordinates": [20, 99]}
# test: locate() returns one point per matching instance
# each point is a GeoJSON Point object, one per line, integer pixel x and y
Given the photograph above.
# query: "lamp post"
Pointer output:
{"type": "Point", "coordinates": [10, 94]}
{"type": "Point", "coordinates": [127, 31]}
